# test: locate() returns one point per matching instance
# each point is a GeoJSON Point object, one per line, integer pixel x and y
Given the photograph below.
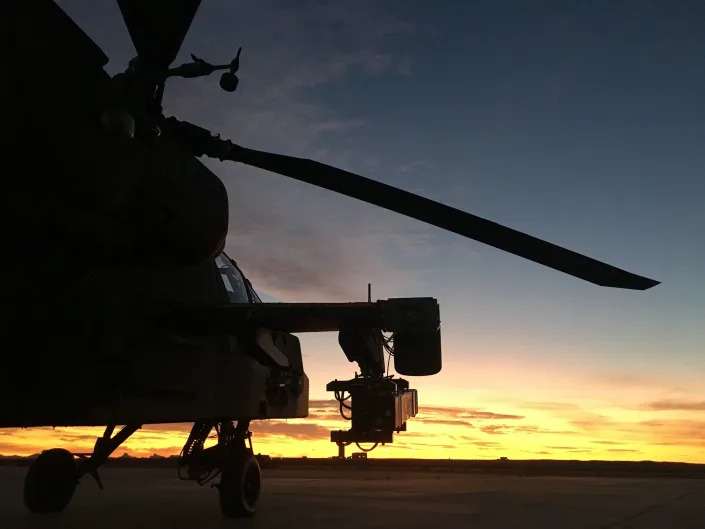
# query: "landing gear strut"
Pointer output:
{"type": "Point", "coordinates": [54, 475]}
{"type": "Point", "coordinates": [231, 458]}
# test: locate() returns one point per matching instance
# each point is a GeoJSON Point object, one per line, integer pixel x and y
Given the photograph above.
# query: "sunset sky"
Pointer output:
{"type": "Point", "coordinates": [581, 123]}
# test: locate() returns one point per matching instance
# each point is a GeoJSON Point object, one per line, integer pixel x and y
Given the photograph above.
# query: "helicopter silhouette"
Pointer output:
{"type": "Point", "coordinates": [120, 305]}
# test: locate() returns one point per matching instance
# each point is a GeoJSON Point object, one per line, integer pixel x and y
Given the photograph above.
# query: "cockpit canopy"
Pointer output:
{"type": "Point", "coordinates": [238, 287]}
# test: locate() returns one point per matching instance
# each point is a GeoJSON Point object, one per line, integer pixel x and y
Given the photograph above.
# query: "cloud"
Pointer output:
{"type": "Point", "coordinates": [531, 429]}
{"type": "Point", "coordinates": [486, 444]}
{"type": "Point", "coordinates": [404, 66]}
{"type": "Point", "coordinates": [160, 438]}
{"type": "Point", "coordinates": [324, 404]}
{"type": "Point", "coordinates": [549, 406]}
{"type": "Point", "coordinates": [11, 449]}
{"type": "Point", "coordinates": [421, 440]}
{"type": "Point", "coordinates": [413, 166]}
{"type": "Point", "coordinates": [447, 422]}
{"type": "Point", "coordinates": [511, 429]}
{"type": "Point", "coordinates": [685, 432]}
{"type": "Point", "coordinates": [494, 429]}
{"type": "Point", "coordinates": [325, 410]}
{"type": "Point", "coordinates": [68, 436]}
{"type": "Point", "coordinates": [16, 434]}
{"type": "Point", "coordinates": [300, 267]}
{"type": "Point", "coordinates": [295, 241]}
{"type": "Point", "coordinates": [333, 416]}
{"type": "Point", "coordinates": [298, 244]}
{"type": "Point", "coordinates": [468, 413]}
{"type": "Point", "coordinates": [287, 52]}
{"type": "Point", "coordinates": [625, 381]}
{"type": "Point", "coordinates": [338, 125]}
{"type": "Point", "coordinates": [166, 428]}
{"type": "Point", "coordinates": [299, 431]}
{"type": "Point", "coordinates": [329, 410]}
{"type": "Point", "coordinates": [665, 432]}
{"type": "Point", "coordinates": [591, 422]}
{"type": "Point", "coordinates": [675, 405]}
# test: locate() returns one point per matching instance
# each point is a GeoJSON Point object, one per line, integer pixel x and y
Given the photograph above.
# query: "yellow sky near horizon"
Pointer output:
{"type": "Point", "coordinates": [538, 430]}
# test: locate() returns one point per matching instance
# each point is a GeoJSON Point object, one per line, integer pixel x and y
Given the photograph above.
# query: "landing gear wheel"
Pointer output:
{"type": "Point", "coordinates": [240, 485]}
{"type": "Point", "coordinates": [50, 481]}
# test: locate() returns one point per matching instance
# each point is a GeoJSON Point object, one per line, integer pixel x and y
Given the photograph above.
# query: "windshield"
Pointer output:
{"type": "Point", "coordinates": [233, 280]}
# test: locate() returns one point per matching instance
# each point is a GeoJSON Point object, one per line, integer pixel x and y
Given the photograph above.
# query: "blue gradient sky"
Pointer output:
{"type": "Point", "coordinates": [578, 122]}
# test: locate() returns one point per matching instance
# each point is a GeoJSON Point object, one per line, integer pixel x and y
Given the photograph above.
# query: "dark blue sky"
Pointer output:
{"type": "Point", "coordinates": [578, 122]}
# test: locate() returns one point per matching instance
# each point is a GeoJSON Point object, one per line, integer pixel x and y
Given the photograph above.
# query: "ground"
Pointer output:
{"type": "Point", "coordinates": [312, 498]}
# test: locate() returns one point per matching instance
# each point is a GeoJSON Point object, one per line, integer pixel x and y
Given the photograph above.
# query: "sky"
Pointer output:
{"type": "Point", "coordinates": [578, 122]}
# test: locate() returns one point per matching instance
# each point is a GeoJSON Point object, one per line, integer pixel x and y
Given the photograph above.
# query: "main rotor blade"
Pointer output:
{"type": "Point", "coordinates": [445, 217]}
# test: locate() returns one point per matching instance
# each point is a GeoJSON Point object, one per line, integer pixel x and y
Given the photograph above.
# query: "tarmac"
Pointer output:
{"type": "Point", "coordinates": [308, 498]}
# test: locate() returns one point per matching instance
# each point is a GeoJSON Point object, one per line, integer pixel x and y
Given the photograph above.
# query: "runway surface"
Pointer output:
{"type": "Point", "coordinates": [315, 498]}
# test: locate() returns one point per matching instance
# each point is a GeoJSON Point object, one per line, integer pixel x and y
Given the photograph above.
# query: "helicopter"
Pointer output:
{"type": "Point", "coordinates": [120, 305]}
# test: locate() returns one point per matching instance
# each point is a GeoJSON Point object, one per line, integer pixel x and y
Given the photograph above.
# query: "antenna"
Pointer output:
{"type": "Point", "coordinates": [369, 292]}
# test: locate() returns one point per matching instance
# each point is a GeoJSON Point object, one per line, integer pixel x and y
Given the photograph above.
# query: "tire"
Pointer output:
{"type": "Point", "coordinates": [240, 486]}
{"type": "Point", "coordinates": [50, 482]}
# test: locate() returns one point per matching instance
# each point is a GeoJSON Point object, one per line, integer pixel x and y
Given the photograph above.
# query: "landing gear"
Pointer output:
{"type": "Point", "coordinates": [231, 458]}
{"type": "Point", "coordinates": [51, 481]}
{"type": "Point", "coordinates": [240, 485]}
{"type": "Point", "coordinates": [53, 477]}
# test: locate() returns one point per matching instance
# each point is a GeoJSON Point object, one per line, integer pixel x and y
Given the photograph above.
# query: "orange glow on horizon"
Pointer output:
{"type": "Point", "coordinates": [438, 432]}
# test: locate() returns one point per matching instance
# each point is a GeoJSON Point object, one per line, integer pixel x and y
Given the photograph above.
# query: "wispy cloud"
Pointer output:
{"type": "Point", "coordinates": [291, 430]}
{"type": "Point", "coordinates": [338, 125]}
{"type": "Point", "coordinates": [486, 444]}
{"type": "Point", "coordinates": [675, 431]}
{"type": "Point", "coordinates": [616, 380]}
{"type": "Point", "coordinates": [593, 422]}
{"type": "Point", "coordinates": [549, 406]}
{"type": "Point", "coordinates": [295, 241]}
{"type": "Point", "coordinates": [415, 165]}
{"type": "Point", "coordinates": [445, 422]}
{"type": "Point", "coordinates": [493, 429]}
{"type": "Point", "coordinates": [675, 405]}
{"type": "Point", "coordinates": [665, 432]}
{"type": "Point", "coordinates": [468, 413]}
{"type": "Point", "coordinates": [532, 429]}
